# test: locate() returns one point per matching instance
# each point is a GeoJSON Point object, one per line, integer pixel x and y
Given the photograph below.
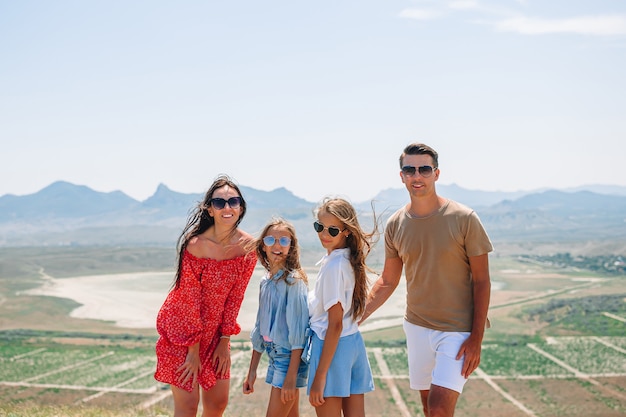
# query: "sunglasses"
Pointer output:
{"type": "Point", "coordinates": [220, 203]}
{"type": "Point", "coordinates": [425, 170]}
{"type": "Point", "coordinates": [332, 230]}
{"type": "Point", "coordinates": [283, 241]}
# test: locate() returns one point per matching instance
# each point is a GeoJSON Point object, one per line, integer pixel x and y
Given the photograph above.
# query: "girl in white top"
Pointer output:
{"type": "Point", "coordinates": [339, 371]}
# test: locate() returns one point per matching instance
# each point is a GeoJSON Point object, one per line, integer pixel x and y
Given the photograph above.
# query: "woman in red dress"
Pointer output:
{"type": "Point", "coordinates": [200, 312]}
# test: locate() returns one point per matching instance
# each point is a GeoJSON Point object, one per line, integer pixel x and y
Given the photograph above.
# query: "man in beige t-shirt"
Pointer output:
{"type": "Point", "coordinates": [443, 249]}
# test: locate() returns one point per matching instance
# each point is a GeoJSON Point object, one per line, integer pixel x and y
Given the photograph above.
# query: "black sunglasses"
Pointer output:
{"type": "Point", "coordinates": [332, 230]}
{"type": "Point", "coordinates": [283, 241]}
{"type": "Point", "coordinates": [425, 170]}
{"type": "Point", "coordinates": [220, 203]}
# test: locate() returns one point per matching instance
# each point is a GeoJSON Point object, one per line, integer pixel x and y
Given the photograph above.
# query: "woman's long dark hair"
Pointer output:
{"type": "Point", "coordinates": [199, 220]}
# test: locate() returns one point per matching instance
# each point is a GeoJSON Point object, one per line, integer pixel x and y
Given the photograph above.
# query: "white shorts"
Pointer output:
{"type": "Point", "coordinates": [432, 358]}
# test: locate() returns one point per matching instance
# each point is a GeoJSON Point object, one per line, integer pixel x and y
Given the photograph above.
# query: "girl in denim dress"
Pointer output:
{"type": "Point", "coordinates": [282, 321]}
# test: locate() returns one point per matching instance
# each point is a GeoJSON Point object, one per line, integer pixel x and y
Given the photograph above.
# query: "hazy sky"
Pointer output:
{"type": "Point", "coordinates": [317, 96]}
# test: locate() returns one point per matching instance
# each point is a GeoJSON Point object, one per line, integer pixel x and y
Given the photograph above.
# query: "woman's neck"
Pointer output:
{"type": "Point", "coordinates": [219, 235]}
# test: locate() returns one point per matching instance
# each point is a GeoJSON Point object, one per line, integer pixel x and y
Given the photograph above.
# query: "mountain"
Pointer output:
{"type": "Point", "coordinates": [582, 214]}
{"type": "Point", "coordinates": [600, 189]}
{"type": "Point", "coordinates": [62, 200]}
{"type": "Point", "coordinates": [170, 203]}
{"type": "Point", "coordinates": [68, 214]}
{"type": "Point", "coordinates": [393, 198]}
{"type": "Point", "coordinates": [580, 204]}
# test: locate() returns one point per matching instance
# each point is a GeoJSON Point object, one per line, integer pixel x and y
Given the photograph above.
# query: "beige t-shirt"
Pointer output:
{"type": "Point", "coordinates": [435, 251]}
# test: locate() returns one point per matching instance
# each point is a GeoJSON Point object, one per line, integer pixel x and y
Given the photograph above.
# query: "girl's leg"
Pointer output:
{"type": "Point", "coordinates": [330, 408]}
{"type": "Point", "coordinates": [276, 408]}
{"type": "Point", "coordinates": [354, 406]}
{"type": "Point", "coordinates": [185, 403]}
{"type": "Point", "coordinates": [215, 400]}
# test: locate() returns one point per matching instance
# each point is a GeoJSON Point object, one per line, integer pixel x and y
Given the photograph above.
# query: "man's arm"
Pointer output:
{"type": "Point", "coordinates": [479, 265]}
{"type": "Point", "coordinates": [384, 286]}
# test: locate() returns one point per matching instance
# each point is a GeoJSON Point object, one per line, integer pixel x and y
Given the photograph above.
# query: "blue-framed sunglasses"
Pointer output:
{"type": "Point", "coordinates": [283, 241]}
{"type": "Point", "coordinates": [220, 203]}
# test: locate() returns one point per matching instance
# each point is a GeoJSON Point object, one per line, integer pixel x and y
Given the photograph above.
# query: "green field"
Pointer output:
{"type": "Point", "coordinates": [39, 369]}
{"type": "Point", "coordinates": [557, 347]}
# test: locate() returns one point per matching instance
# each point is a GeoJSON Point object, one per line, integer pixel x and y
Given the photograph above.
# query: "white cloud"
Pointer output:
{"type": "Point", "coordinates": [463, 4]}
{"type": "Point", "coordinates": [586, 25]}
{"type": "Point", "coordinates": [419, 14]}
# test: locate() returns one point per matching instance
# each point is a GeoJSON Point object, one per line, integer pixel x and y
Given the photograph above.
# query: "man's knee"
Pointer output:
{"type": "Point", "coordinates": [441, 401]}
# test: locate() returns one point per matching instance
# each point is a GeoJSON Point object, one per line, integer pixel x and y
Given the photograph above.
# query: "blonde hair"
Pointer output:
{"type": "Point", "coordinates": [360, 244]}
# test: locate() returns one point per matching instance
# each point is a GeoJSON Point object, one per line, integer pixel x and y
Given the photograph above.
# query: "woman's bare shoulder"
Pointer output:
{"type": "Point", "coordinates": [245, 237]}
{"type": "Point", "coordinates": [198, 248]}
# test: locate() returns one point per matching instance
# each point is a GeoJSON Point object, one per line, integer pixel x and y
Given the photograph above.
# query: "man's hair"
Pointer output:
{"type": "Point", "coordinates": [420, 149]}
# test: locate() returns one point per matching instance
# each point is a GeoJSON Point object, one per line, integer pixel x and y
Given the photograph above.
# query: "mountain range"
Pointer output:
{"type": "Point", "coordinates": [68, 214]}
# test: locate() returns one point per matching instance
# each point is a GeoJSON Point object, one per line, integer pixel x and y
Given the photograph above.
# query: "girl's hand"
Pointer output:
{"type": "Point", "coordinates": [248, 383]}
{"type": "Point", "coordinates": [288, 391]}
{"type": "Point", "coordinates": [191, 367]}
{"type": "Point", "coordinates": [221, 357]}
{"type": "Point", "coordinates": [316, 396]}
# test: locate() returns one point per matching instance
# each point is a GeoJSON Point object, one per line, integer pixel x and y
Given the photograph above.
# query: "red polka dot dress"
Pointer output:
{"type": "Point", "coordinates": [203, 307]}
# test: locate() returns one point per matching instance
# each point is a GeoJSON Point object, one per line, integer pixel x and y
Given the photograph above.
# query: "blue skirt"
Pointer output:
{"type": "Point", "coordinates": [349, 371]}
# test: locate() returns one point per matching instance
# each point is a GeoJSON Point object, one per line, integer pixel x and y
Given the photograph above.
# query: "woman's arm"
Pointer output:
{"type": "Point", "coordinates": [221, 356]}
{"type": "Point", "coordinates": [232, 305]}
{"type": "Point", "coordinates": [179, 317]}
{"type": "Point", "coordinates": [192, 365]}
